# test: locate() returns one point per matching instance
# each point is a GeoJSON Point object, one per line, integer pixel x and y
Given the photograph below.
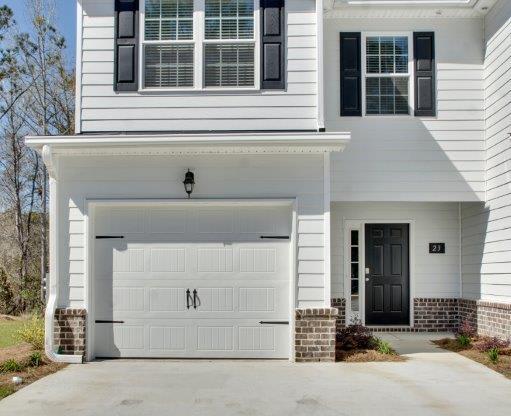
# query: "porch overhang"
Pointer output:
{"type": "Point", "coordinates": [192, 144]}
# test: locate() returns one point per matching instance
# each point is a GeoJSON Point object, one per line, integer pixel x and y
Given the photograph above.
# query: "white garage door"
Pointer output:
{"type": "Point", "coordinates": [192, 282]}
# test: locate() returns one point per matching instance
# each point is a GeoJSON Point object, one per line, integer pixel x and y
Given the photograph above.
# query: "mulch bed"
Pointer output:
{"type": "Point", "coordinates": [367, 356]}
{"type": "Point", "coordinates": [503, 366]}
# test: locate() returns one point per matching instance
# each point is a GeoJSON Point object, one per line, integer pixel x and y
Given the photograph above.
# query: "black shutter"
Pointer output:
{"type": "Point", "coordinates": [126, 45]}
{"type": "Point", "coordinates": [351, 75]}
{"type": "Point", "coordinates": [424, 59]}
{"type": "Point", "coordinates": [273, 45]}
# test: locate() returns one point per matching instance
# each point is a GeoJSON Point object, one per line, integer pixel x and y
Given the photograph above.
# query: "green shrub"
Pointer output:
{"type": "Point", "coordinates": [383, 347]}
{"type": "Point", "coordinates": [32, 332]}
{"type": "Point", "coordinates": [11, 366]}
{"type": "Point", "coordinates": [463, 340]}
{"type": "Point", "coordinates": [493, 355]}
{"type": "Point", "coordinates": [35, 359]}
{"type": "Point", "coordinates": [354, 337]}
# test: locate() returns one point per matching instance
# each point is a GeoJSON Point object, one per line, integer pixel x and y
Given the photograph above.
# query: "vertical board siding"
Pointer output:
{"type": "Point", "coordinates": [434, 275]}
{"type": "Point", "coordinates": [486, 228]}
{"type": "Point", "coordinates": [103, 110]}
{"type": "Point", "coordinates": [152, 177]}
{"type": "Point", "coordinates": [404, 158]}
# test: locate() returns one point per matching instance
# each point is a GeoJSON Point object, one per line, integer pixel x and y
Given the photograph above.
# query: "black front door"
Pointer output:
{"type": "Point", "coordinates": [387, 277]}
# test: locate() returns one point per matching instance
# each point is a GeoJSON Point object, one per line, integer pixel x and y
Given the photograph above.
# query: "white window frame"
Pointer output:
{"type": "Point", "coordinates": [409, 74]}
{"type": "Point", "coordinates": [199, 41]}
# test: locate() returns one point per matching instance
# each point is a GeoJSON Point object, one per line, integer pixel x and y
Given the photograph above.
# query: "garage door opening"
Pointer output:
{"type": "Point", "coordinates": [192, 281]}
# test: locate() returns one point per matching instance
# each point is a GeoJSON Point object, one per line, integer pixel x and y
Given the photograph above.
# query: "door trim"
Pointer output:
{"type": "Point", "coordinates": [359, 224]}
{"type": "Point", "coordinates": [89, 241]}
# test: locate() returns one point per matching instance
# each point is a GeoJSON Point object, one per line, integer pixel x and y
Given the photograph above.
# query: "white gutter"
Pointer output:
{"type": "Point", "coordinates": [300, 142]}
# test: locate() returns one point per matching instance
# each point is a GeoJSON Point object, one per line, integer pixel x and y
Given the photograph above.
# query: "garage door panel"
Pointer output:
{"type": "Point", "coordinates": [167, 299]}
{"type": "Point", "coordinates": [200, 338]}
{"type": "Point", "coordinates": [215, 260]}
{"type": "Point", "coordinates": [167, 339]}
{"type": "Point", "coordinates": [141, 283]}
{"type": "Point", "coordinates": [257, 338]}
{"type": "Point", "coordinates": [170, 260]}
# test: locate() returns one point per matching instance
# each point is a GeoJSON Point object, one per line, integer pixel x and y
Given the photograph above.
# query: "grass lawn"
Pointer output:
{"type": "Point", "coordinates": [8, 328]}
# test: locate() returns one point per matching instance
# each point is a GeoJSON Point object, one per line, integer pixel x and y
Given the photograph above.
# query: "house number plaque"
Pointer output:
{"type": "Point", "coordinates": [437, 248]}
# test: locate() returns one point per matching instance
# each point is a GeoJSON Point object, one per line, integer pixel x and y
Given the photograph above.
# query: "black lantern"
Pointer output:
{"type": "Point", "coordinates": [189, 183]}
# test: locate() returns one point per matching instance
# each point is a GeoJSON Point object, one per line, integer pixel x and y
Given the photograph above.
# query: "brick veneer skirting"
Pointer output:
{"type": "Point", "coordinates": [430, 315]}
{"type": "Point", "coordinates": [489, 318]}
{"type": "Point", "coordinates": [69, 331]}
{"type": "Point", "coordinates": [435, 314]}
{"type": "Point", "coordinates": [445, 315]}
{"type": "Point", "coordinates": [315, 334]}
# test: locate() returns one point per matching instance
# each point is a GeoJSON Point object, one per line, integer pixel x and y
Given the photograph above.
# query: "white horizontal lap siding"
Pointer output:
{"type": "Point", "coordinates": [104, 110]}
{"type": "Point", "coordinates": [257, 176]}
{"type": "Point", "coordinates": [486, 231]}
{"type": "Point", "coordinates": [408, 158]}
{"type": "Point", "coordinates": [434, 275]}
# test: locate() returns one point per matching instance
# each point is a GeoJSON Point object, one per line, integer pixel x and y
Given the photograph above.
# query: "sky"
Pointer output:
{"type": "Point", "coordinates": [65, 20]}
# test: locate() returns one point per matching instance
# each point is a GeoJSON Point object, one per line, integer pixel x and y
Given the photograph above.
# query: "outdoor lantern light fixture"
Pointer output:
{"type": "Point", "coordinates": [189, 183]}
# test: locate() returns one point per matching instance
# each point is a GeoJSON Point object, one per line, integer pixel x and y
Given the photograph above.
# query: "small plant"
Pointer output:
{"type": "Point", "coordinates": [32, 332]}
{"type": "Point", "coordinates": [354, 337]}
{"type": "Point", "coordinates": [466, 329]}
{"type": "Point", "coordinates": [487, 344]}
{"type": "Point", "coordinates": [383, 347]}
{"type": "Point", "coordinates": [35, 359]}
{"type": "Point", "coordinates": [463, 340]}
{"type": "Point", "coordinates": [11, 366]}
{"type": "Point", "coordinates": [493, 355]}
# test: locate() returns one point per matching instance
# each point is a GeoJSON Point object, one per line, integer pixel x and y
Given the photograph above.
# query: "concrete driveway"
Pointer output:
{"type": "Point", "coordinates": [431, 382]}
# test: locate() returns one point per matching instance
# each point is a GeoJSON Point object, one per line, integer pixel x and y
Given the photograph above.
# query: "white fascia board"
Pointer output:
{"type": "Point", "coordinates": [411, 8]}
{"type": "Point", "coordinates": [236, 143]}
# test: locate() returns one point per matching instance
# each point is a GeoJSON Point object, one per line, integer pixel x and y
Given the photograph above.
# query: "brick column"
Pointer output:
{"type": "Point", "coordinates": [315, 334]}
{"type": "Point", "coordinates": [69, 330]}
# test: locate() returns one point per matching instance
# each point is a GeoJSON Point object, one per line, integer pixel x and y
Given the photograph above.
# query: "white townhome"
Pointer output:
{"type": "Point", "coordinates": [248, 175]}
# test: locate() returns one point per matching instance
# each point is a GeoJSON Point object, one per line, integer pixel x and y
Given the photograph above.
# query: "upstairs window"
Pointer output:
{"type": "Point", "coordinates": [196, 44]}
{"type": "Point", "coordinates": [387, 75]}
{"type": "Point", "coordinates": [168, 45]}
{"type": "Point", "coordinates": [229, 45]}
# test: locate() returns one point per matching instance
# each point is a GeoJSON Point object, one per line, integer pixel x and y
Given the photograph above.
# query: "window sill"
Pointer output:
{"type": "Point", "coordinates": [193, 91]}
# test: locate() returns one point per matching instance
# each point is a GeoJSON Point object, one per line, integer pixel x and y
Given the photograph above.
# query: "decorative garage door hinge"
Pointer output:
{"type": "Point", "coordinates": [104, 237]}
{"type": "Point", "coordinates": [275, 237]}
{"type": "Point", "coordinates": [101, 321]}
{"type": "Point", "coordinates": [274, 322]}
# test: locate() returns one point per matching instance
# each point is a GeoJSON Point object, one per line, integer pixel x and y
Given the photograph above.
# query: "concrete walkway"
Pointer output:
{"type": "Point", "coordinates": [431, 382]}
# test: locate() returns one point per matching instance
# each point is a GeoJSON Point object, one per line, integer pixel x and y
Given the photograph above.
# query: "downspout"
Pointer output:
{"type": "Point", "coordinates": [53, 280]}
{"type": "Point", "coordinates": [460, 225]}
{"type": "Point", "coordinates": [320, 58]}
